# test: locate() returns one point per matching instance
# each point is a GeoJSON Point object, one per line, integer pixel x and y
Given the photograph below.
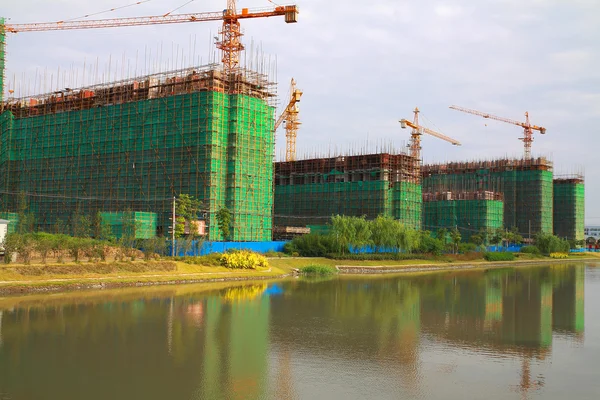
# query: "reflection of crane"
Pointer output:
{"type": "Point", "coordinates": [526, 384]}
{"type": "Point", "coordinates": [418, 130]}
{"type": "Point", "coordinates": [230, 32]}
{"type": "Point", "coordinates": [528, 128]}
{"type": "Point", "coordinates": [290, 116]}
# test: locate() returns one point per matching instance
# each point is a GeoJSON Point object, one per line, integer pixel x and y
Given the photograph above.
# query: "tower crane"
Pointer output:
{"type": "Point", "coordinates": [290, 116]}
{"type": "Point", "coordinates": [528, 128]}
{"type": "Point", "coordinates": [230, 33]}
{"type": "Point", "coordinates": [417, 131]}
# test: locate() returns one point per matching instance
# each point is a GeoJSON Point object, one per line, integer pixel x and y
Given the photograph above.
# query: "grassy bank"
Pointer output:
{"type": "Point", "coordinates": [57, 277]}
{"type": "Point", "coordinates": [16, 278]}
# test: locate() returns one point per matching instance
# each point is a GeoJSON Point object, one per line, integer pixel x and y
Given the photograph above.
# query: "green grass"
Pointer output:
{"type": "Point", "coordinates": [70, 274]}
{"type": "Point", "coordinates": [318, 270]}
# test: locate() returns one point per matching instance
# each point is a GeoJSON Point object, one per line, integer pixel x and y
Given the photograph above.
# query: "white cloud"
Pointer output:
{"type": "Point", "coordinates": [447, 10]}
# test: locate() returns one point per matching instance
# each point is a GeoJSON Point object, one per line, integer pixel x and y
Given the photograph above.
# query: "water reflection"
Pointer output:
{"type": "Point", "coordinates": [292, 339]}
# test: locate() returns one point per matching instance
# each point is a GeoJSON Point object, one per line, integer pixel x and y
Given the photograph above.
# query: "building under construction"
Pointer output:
{"type": "Point", "coordinates": [525, 185]}
{"type": "Point", "coordinates": [569, 207]}
{"type": "Point", "coordinates": [308, 192]}
{"type": "Point", "coordinates": [469, 212]}
{"type": "Point", "coordinates": [135, 144]}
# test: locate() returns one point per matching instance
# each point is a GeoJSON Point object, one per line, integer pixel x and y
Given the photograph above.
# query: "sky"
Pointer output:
{"type": "Point", "coordinates": [363, 66]}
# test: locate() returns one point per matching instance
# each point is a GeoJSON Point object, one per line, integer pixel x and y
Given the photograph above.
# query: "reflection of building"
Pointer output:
{"type": "Point", "coordinates": [235, 347]}
{"type": "Point", "coordinates": [516, 309]}
{"type": "Point", "coordinates": [568, 302]}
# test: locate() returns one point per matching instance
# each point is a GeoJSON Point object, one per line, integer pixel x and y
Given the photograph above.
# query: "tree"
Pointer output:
{"type": "Point", "coordinates": [59, 227]}
{"type": "Point", "coordinates": [130, 226]}
{"type": "Point", "coordinates": [224, 218]}
{"type": "Point", "coordinates": [155, 245]}
{"type": "Point", "coordinates": [101, 230]}
{"type": "Point", "coordinates": [188, 207]}
{"type": "Point", "coordinates": [81, 225]}
{"type": "Point", "coordinates": [513, 236]}
{"type": "Point", "coordinates": [45, 244]}
{"type": "Point", "coordinates": [548, 243]}
{"type": "Point", "coordinates": [26, 219]}
{"type": "Point", "coordinates": [382, 232]}
{"type": "Point", "coordinates": [476, 239]}
{"type": "Point", "coordinates": [441, 234]}
{"type": "Point", "coordinates": [429, 244]}
{"type": "Point", "coordinates": [12, 244]}
{"type": "Point", "coordinates": [350, 232]}
{"type": "Point", "coordinates": [455, 237]}
{"type": "Point", "coordinates": [496, 236]}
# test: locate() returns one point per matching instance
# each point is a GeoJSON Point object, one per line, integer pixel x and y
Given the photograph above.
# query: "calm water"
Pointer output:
{"type": "Point", "coordinates": [499, 334]}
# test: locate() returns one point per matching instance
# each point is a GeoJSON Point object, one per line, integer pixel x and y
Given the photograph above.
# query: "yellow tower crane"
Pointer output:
{"type": "Point", "coordinates": [292, 122]}
{"type": "Point", "coordinates": [528, 128]}
{"type": "Point", "coordinates": [230, 34]}
{"type": "Point", "coordinates": [417, 131]}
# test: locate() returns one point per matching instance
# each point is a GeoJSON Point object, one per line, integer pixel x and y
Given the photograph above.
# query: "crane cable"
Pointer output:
{"type": "Point", "coordinates": [181, 6]}
{"type": "Point", "coordinates": [109, 10]}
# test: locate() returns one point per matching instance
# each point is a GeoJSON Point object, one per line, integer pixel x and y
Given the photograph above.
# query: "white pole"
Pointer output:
{"type": "Point", "coordinates": [173, 231]}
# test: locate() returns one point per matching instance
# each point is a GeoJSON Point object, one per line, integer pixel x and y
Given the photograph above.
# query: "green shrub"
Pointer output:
{"type": "Point", "coordinates": [464, 248]}
{"type": "Point", "coordinates": [551, 244]}
{"type": "Point", "coordinates": [318, 270]}
{"type": "Point", "coordinates": [311, 245]}
{"type": "Point", "coordinates": [244, 259]}
{"type": "Point", "coordinates": [429, 244]}
{"type": "Point", "coordinates": [210, 260]}
{"type": "Point", "coordinates": [275, 254]}
{"type": "Point", "coordinates": [499, 256]}
{"type": "Point", "coordinates": [531, 250]}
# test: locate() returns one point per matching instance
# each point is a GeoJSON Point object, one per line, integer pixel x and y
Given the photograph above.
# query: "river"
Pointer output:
{"type": "Point", "coordinates": [520, 333]}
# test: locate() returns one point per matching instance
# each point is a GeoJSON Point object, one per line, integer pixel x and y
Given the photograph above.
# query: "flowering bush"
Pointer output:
{"type": "Point", "coordinates": [244, 260]}
{"type": "Point", "coordinates": [559, 255]}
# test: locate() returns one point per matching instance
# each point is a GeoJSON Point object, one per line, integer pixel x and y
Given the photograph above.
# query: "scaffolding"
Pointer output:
{"type": "Point", "coordinates": [309, 192]}
{"type": "Point", "coordinates": [133, 145]}
{"type": "Point", "coordinates": [139, 225]}
{"type": "Point", "coordinates": [2, 59]}
{"type": "Point", "coordinates": [526, 186]}
{"type": "Point", "coordinates": [469, 212]}
{"type": "Point", "coordinates": [569, 207]}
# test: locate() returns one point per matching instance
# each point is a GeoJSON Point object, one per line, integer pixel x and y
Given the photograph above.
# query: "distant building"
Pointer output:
{"type": "Point", "coordinates": [592, 231]}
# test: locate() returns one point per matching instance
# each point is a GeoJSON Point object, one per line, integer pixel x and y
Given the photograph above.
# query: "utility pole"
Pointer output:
{"type": "Point", "coordinates": [173, 231]}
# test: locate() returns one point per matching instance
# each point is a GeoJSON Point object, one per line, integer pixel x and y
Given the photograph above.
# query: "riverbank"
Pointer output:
{"type": "Point", "coordinates": [15, 279]}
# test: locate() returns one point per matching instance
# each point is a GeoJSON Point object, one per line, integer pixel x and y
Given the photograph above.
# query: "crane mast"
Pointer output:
{"type": "Point", "coordinates": [528, 128]}
{"type": "Point", "coordinates": [292, 123]}
{"type": "Point", "coordinates": [417, 131]}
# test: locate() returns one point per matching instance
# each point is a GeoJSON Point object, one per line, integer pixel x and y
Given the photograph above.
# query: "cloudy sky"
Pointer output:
{"type": "Point", "coordinates": [365, 64]}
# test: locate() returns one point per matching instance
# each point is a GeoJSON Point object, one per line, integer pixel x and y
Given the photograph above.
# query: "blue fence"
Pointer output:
{"type": "Point", "coordinates": [221, 247]}
{"type": "Point", "coordinates": [585, 250]}
{"type": "Point", "coordinates": [513, 249]}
